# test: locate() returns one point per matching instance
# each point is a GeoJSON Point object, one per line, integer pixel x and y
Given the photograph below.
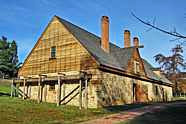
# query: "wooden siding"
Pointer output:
{"type": "Point", "coordinates": [70, 54]}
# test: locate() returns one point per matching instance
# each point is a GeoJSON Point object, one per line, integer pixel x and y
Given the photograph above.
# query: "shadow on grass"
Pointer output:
{"type": "Point", "coordinates": [120, 108]}
{"type": "Point", "coordinates": [4, 94]}
{"type": "Point", "coordinates": [172, 114]}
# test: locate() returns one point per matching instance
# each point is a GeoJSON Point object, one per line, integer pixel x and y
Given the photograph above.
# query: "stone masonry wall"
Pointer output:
{"type": "Point", "coordinates": [116, 90]}
{"type": "Point", "coordinates": [106, 89]}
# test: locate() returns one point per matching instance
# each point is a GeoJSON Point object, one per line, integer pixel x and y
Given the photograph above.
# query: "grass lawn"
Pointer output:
{"type": "Point", "coordinates": [174, 114]}
{"type": "Point", "coordinates": [5, 86]}
{"type": "Point", "coordinates": [15, 110]}
{"type": "Point", "coordinates": [18, 111]}
{"type": "Point", "coordinates": [5, 89]}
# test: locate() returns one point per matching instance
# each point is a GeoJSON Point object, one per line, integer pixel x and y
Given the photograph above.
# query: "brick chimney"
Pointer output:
{"type": "Point", "coordinates": [135, 41]}
{"type": "Point", "coordinates": [105, 33]}
{"type": "Point", "coordinates": [126, 38]}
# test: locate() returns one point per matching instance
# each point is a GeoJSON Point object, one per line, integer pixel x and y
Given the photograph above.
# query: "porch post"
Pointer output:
{"type": "Point", "coordinates": [29, 90]}
{"type": "Point", "coordinates": [24, 83]}
{"type": "Point", "coordinates": [59, 91]}
{"type": "Point", "coordinates": [80, 94]}
{"type": "Point", "coordinates": [39, 90]}
{"type": "Point", "coordinates": [86, 93]}
{"type": "Point", "coordinates": [12, 87]}
{"type": "Point", "coordinates": [45, 92]}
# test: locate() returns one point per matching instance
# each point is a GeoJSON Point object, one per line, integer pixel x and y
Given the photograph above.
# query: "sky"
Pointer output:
{"type": "Point", "coordinates": [25, 20]}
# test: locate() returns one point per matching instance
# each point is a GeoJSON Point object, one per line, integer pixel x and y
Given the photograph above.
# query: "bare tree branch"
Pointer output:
{"type": "Point", "coordinates": [176, 39]}
{"type": "Point", "coordinates": [174, 33]}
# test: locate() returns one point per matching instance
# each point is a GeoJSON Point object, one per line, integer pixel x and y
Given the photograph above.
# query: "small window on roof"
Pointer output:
{"type": "Point", "coordinates": [136, 67]}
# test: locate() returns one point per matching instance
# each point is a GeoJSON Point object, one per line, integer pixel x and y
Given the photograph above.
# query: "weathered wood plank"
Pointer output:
{"type": "Point", "coordinates": [86, 94]}
{"type": "Point", "coordinates": [80, 94]}
{"type": "Point", "coordinates": [70, 55]}
{"type": "Point", "coordinates": [24, 83]}
{"type": "Point", "coordinates": [59, 91]}
{"type": "Point", "coordinates": [39, 90]}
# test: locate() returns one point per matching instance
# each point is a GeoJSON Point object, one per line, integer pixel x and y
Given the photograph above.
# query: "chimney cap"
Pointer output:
{"type": "Point", "coordinates": [136, 38]}
{"type": "Point", "coordinates": [106, 18]}
{"type": "Point", "coordinates": [126, 31]}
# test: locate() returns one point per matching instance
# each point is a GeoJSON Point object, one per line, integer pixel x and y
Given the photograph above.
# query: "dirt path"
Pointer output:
{"type": "Point", "coordinates": [130, 114]}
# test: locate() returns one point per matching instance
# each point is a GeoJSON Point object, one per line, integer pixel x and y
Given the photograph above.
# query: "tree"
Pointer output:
{"type": "Point", "coordinates": [153, 26]}
{"type": "Point", "coordinates": [8, 58]}
{"type": "Point", "coordinates": [173, 64]}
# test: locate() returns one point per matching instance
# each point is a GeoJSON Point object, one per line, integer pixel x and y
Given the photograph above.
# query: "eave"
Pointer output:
{"type": "Point", "coordinates": [122, 72]}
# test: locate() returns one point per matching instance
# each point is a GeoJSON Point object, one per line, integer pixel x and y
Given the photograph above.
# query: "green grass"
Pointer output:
{"type": "Point", "coordinates": [16, 110]}
{"type": "Point", "coordinates": [5, 89]}
{"type": "Point", "coordinates": [170, 115]}
{"type": "Point", "coordinates": [5, 86]}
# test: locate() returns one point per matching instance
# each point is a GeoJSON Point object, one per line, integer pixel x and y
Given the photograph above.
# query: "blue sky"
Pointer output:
{"type": "Point", "coordinates": [24, 20]}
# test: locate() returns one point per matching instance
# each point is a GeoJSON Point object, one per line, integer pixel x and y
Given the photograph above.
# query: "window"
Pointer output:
{"type": "Point", "coordinates": [53, 52]}
{"type": "Point", "coordinates": [51, 87]}
{"type": "Point", "coordinates": [136, 67]}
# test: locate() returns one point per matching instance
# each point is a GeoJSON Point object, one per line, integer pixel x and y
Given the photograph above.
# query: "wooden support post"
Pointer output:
{"type": "Point", "coordinates": [39, 90]}
{"type": "Point", "coordinates": [86, 94]}
{"type": "Point", "coordinates": [63, 90]}
{"type": "Point", "coordinates": [45, 92]}
{"type": "Point", "coordinates": [12, 88]}
{"type": "Point", "coordinates": [80, 94]}
{"type": "Point", "coordinates": [24, 83]}
{"type": "Point", "coordinates": [29, 91]}
{"type": "Point", "coordinates": [59, 91]}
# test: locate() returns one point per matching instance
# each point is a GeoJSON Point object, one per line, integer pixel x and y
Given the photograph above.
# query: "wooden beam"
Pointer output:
{"type": "Point", "coordinates": [59, 91]}
{"type": "Point", "coordinates": [24, 83]}
{"type": "Point", "coordinates": [12, 89]}
{"type": "Point", "coordinates": [39, 90]}
{"type": "Point", "coordinates": [45, 92]}
{"type": "Point", "coordinates": [86, 93]}
{"type": "Point", "coordinates": [29, 90]}
{"type": "Point", "coordinates": [80, 94]}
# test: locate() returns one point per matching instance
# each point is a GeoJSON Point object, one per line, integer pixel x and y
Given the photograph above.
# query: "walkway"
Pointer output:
{"type": "Point", "coordinates": [130, 114]}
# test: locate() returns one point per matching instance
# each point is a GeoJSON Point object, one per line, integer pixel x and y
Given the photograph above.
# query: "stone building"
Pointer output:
{"type": "Point", "coordinates": [69, 65]}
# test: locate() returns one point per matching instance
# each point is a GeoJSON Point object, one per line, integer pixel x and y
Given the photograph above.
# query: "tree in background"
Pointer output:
{"type": "Point", "coordinates": [173, 64]}
{"type": "Point", "coordinates": [8, 58]}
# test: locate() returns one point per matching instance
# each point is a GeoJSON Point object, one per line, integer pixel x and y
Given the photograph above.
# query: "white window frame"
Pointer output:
{"type": "Point", "coordinates": [136, 67]}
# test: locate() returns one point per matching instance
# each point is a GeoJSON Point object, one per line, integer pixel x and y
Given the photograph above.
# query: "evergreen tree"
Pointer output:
{"type": "Point", "coordinates": [173, 64]}
{"type": "Point", "coordinates": [8, 58]}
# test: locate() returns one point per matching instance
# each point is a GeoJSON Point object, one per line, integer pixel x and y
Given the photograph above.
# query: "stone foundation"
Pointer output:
{"type": "Point", "coordinates": [104, 89]}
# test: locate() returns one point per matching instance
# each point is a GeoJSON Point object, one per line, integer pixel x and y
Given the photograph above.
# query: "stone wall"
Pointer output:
{"type": "Point", "coordinates": [116, 90]}
{"type": "Point", "coordinates": [106, 89]}
{"type": "Point", "coordinates": [51, 94]}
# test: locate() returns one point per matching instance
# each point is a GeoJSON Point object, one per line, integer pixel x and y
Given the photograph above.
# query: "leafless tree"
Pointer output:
{"type": "Point", "coordinates": [151, 25]}
{"type": "Point", "coordinates": [173, 64]}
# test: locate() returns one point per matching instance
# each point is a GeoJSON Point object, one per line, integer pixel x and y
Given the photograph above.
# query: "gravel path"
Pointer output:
{"type": "Point", "coordinates": [130, 114]}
